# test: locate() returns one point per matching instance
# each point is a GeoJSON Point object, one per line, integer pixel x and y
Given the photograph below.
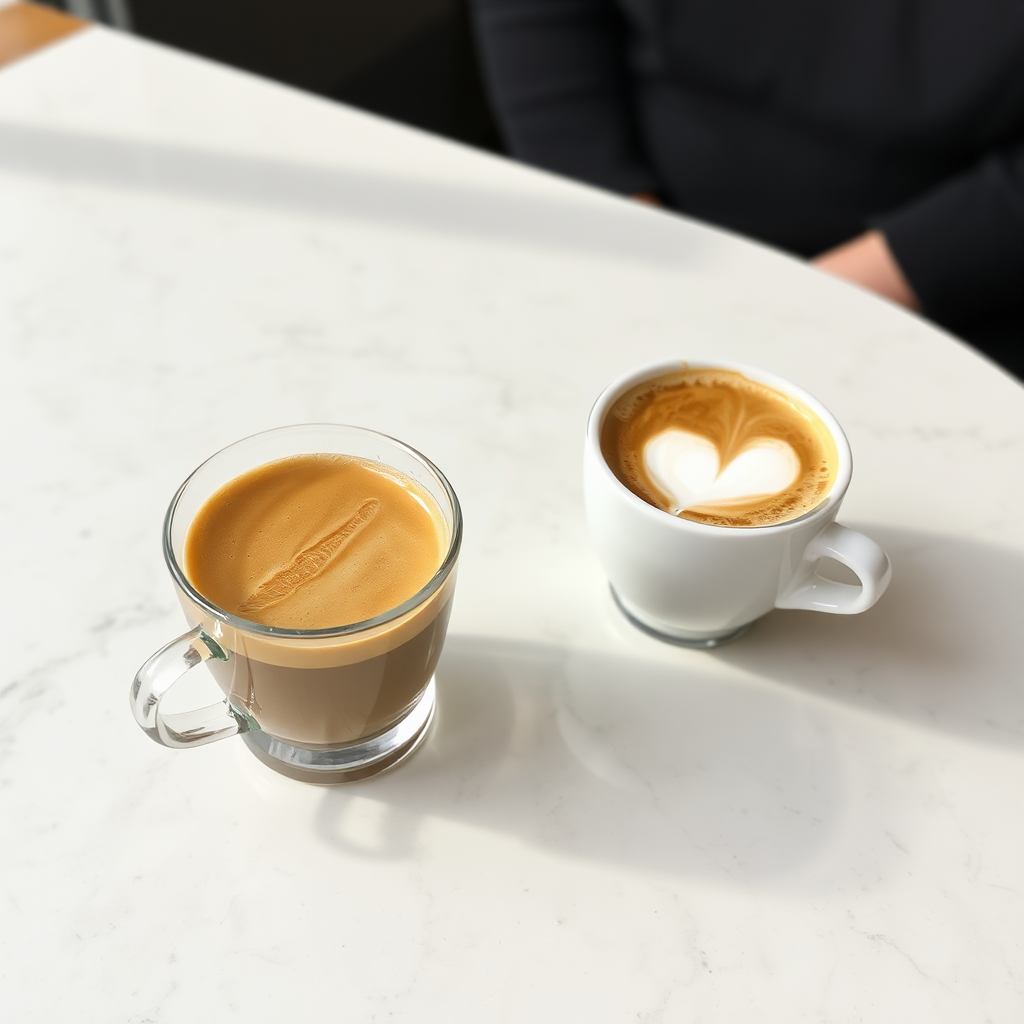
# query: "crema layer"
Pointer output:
{"type": "Point", "coordinates": [315, 542]}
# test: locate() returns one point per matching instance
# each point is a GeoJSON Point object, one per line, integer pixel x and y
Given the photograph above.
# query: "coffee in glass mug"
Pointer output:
{"type": "Point", "coordinates": [316, 565]}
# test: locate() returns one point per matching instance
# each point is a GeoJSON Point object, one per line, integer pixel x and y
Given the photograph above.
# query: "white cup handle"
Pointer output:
{"type": "Point", "coordinates": [861, 554]}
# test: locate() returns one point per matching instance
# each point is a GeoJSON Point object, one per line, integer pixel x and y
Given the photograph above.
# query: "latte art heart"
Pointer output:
{"type": "Point", "coordinates": [710, 445]}
{"type": "Point", "coordinates": [685, 467]}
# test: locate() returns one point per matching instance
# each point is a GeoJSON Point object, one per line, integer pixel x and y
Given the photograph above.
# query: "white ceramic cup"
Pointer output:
{"type": "Point", "coordinates": [701, 585]}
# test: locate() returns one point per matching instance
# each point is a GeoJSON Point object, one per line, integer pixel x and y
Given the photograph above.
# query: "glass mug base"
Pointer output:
{"type": "Point", "coordinates": [681, 637]}
{"type": "Point", "coordinates": [354, 761]}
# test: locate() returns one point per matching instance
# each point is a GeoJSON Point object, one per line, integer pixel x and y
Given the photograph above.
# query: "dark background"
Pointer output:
{"type": "Point", "coordinates": [414, 61]}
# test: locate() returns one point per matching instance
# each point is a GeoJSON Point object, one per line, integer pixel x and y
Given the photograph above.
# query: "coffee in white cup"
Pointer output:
{"type": "Point", "coordinates": [711, 494]}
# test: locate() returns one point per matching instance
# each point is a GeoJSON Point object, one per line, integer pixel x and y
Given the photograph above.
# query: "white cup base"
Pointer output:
{"type": "Point", "coordinates": [672, 635]}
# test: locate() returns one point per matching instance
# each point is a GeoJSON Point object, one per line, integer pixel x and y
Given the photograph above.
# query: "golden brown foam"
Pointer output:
{"type": "Point", "coordinates": [732, 412]}
{"type": "Point", "coordinates": [314, 542]}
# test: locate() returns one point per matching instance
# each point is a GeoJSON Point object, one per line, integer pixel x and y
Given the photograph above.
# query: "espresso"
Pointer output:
{"type": "Point", "coordinates": [716, 447]}
{"type": "Point", "coordinates": [318, 542]}
{"type": "Point", "coordinates": [314, 705]}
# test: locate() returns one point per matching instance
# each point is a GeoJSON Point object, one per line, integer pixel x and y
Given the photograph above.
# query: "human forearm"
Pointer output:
{"type": "Point", "coordinates": [868, 261]}
{"type": "Point", "coordinates": [961, 245]}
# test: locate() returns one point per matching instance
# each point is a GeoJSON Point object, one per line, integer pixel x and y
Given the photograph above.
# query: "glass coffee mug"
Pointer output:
{"type": "Point", "coordinates": [319, 705]}
{"type": "Point", "coordinates": [701, 585]}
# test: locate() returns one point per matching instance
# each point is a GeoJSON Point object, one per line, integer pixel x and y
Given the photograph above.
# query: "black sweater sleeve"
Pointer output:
{"type": "Point", "coordinates": [557, 74]}
{"type": "Point", "coordinates": [961, 244]}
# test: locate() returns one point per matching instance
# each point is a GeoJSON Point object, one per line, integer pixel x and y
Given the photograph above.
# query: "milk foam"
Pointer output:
{"type": "Point", "coordinates": [685, 466]}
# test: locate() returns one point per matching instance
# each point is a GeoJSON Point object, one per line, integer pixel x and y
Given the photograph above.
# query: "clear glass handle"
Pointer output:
{"type": "Point", "coordinates": [187, 728]}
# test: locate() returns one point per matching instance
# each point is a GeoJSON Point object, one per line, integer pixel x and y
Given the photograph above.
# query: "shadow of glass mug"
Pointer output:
{"type": "Point", "coordinates": [701, 585]}
{"type": "Point", "coordinates": [319, 705]}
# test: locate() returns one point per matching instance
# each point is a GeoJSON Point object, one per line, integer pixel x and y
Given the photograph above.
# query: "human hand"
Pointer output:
{"type": "Point", "coordinates": [869, 262]}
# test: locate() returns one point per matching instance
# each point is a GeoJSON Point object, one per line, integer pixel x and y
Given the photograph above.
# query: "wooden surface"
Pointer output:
{"type": "Point", "coordinates": [25, 28]}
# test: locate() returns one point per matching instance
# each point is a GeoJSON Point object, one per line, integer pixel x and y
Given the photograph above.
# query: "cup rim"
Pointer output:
{"type": "Point", "coordinates": [844, 470]}
{"type": "Point", "coordinates": [345, 629]}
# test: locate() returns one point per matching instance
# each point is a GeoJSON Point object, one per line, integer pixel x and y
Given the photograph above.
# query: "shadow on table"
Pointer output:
{"type": "Point", "coordinates": [672, 765]}
{"type": "Point", "coordinates": [944, 648]}
{"type": "Point", "coordinates": [611, 759]}
{"type": "Point", "coordinates": [412, 202]}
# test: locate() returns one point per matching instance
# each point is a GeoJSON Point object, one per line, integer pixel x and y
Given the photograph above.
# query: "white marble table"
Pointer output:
{"type": "Point", "coordinates": [822, 822]}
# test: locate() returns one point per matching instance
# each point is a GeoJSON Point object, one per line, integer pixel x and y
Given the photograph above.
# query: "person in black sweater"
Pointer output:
{"type": "Point", "coordinates": [885, 141]}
